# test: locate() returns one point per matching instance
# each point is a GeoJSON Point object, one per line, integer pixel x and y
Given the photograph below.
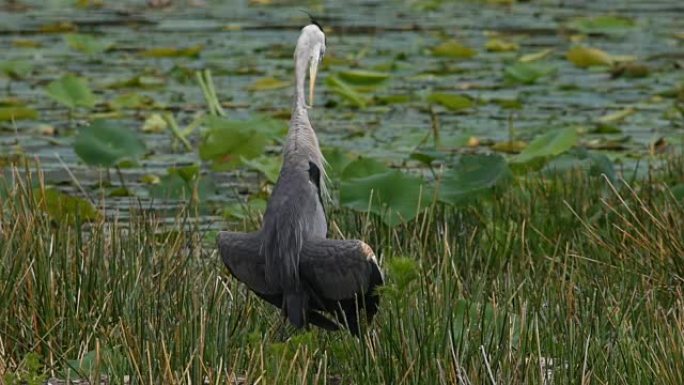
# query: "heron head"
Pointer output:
{"type": "Point", "coordinates": [310, 49]}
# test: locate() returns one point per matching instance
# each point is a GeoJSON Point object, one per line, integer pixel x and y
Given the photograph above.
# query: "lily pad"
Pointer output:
{"type": "Point", "coordinates": [593, 163]}
{"type": "Point", "coordinates": [453, 49]}
{"type": "Point", "coordinates": [396, 197]}
{"type": "Point", "coordinates": [584, 57]}
{"type": "Point", "coordinates": [471, 177]}
{"type": "Point", "coordinates": [606, 24]}
{"type": "Point", "coordinates": [363, 167]}
{"type": "Point", "coordinates": [182, 183]}
{"type": "Point", "coordinates": [17, 113]}
{"type": "Point", "coordinates": [500, 45]}
{"type": "Point", "coordinates": [453, 102]}
{"type": "Point", "coordinates": [527, 73]}
{"type": "Point", "coordinates": [550, 144]}
{"type": "Point", "coordinates": [344, 90]}
{"type": "Point", "coordinates": [269, 166]}
{"type": "Point", "coordinates": [161, 52]}
{"type": "Point", "coordinates": [87, 44]}
{"type": "Point", "coordinates": [267, 83]}
{"type": "Point", "coordinates": [16, 69]}
{"type": "Point", "coordinates": [106, 143]}
{"type": "Point", "coordinates": [228, 142]}
{"type": "Point", "coordinates": [63, 207]}
{"type": "Point", "coordinates": [72, 91]}
{"type": "Point", "coordinates": [363, 78]}
{"type": "Point", "coordinates": [336, 160]}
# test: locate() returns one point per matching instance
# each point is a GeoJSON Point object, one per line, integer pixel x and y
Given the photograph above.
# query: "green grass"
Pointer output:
{"type": "Point", "coordinates": [570, 277]}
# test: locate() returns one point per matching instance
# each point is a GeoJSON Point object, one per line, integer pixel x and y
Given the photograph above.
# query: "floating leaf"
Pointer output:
{"type": "Point", "coordinates": [132, 100]}
{"type": "Point", "coordinates": [363, 167]}
{"type": "Point", "coordinates": [16, 69]}
{"type": "Point", "coordinates": [72, 91]}
{"type": "Point", "coordinates": [106, 143]}
{"type": "Point", "coordinates": [453, 49]}
{"type": "Point", "coordinates": [161, 52]}
{"type": "Point", "coordinates": [509, 146]}
{"type": "Point", "coordinates": [550, 144]}
{"type": "Point", "coordinates": [453, 102]}
{"type": "Point", "coordinates": [87, 44]}
{"type": "Point", "coordinates": [339, 87]}
{"type": "Point", "coordinates": [255, 207]}
{"type": "Point", "coordinates": [585, 57]}
{"type": "Point", "coordinates": [527, 73]}
{"type": "Point", "coordinates": [139, 81]}
{"type": "Point", "coordinates": [471, 176]}
{"type": "Point", "coordinates": [337, 160]}
{"type": "Point", "coordinates": [630, 70]}
{"type": "Point", "coordinates": [227, 142]}
{"type": "Point", "coordinates": [267, 83]}
{"type": "Point", "coordinates": [363, 78]}
{"type": "Point", "coordinates": [396, 197]}
{"type": "Point", "coordinates": [617, 116]}
{"type": "Point", "coordinates": [607, 24]}
{"type": "Point", "coordinates": [500, 45]}
{"type": "Point", "coordinates": [17, 113]}
{"type": "Point", "coordinates": [62, 207]}
{"type": "Point", "coordinates": [530, 57]}
{"type": "Point", "coordinates": [58, 27]}
{"type": "Point", "coordinates": [593, 163]}
{"type": "Point", "coordinates": [155, 123]}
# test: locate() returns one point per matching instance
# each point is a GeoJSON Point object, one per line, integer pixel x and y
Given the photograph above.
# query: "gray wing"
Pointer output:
{"type": "Point", "coordinates": [339, 269]}
{"type": "Point", "coordinates": [240, 253]}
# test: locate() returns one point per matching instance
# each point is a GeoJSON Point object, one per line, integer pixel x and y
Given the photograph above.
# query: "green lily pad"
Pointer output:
{"type": "Point", "coordinates": [72, 91]}
{"type": "Point", "coordinates": [267, 83]}
{"type": "Point", "coordinates": [336, 160]}
{"type": "Point", "coordinates": [106, 143]}
{"type": "Point", "coordinates": [453, 102]}
{"type": "Point", "coordinates": [363, 167]}
{"type": "Point", "coordinates": [87, 44]}
{"type": "Point", "coordinates": [17, 113]}
{"type": "Point", "coordinates": [593, 163]}
{"type": "Point", "coordinates": [584, 57]}
{"type": "Point", "coordinates": [344, 90]}
{"type": "Point", "coordinates": [453, 49]}
{"type": "Point", "coordinates": [138, 81]}
{"type": "Point", "coordinates": [606, 24]}
{"type": "Point", "coordinates": [16, 69]}
{"type": "Point", "coordinates": [363, 78]}
{"type": "Point", "coordinates": [182, 183]}
{"type": "Point", "coordinates": [500, 45]}
{"type": "Point", "coordinates": [550, 144]}
{"type": "Point", "coordinates": [527, 73]}
{"type": "Point", "coordinates": [227, 142]}
{"type": "Point", "coordinates": [471, 177]}
{"type": "Point", "coordinates": [161, 52]}
{"type": "Point", "coordinates": [396, 197]}
{"type": "Point", "coordinates": [63, 207]}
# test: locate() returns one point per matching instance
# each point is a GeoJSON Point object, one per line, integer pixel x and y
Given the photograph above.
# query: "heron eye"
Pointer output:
{"type": "Point", "coordinates": [315, 175]}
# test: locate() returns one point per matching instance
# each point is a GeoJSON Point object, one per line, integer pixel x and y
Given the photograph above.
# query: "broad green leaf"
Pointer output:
{"type": "Point", "coordinates": [17, 113]}
{"type": "Point", "coordinates": [138, 81]}
{"type": "Point", "coordinates": [535, 56]}
{"type": "Point", "coordinates": [155, 123]}
{"type": "Point", "coordinates": [363, 167]}
{"type": "Point", "coordinates": [132, 100]}
{"type": "Point", "coordinates": [584, 57]}
{"type": "Point", "coordinates": [550, 144]}
{"type": "Point", "coordinates": [527, 73]}
{"type": "Point", "coordinates": [227, 142]}
{"type": "Point", "coordinates": [453, 49]}
{"type": "Point", "coordinates": [255, 207]}
{"type": "Point", "coordinates": [678, 192]}
{"type": "Point", "coordinates": [339, 87]}
{"type": "Point", "coordinates": [63, 207]}
{"type": "Point", "coordinates": [428, 156]}
{"type": "Point", "coordinates": [106, 143]}
{"type": "Point", "coordinates": [472, 176]}
{"type": "Point", "coordinates": [161, 52]}
{"type": "Point", "coordinates": [453, 102]}
{"type": "Point", "coordinates": [608, 24]}
{"type": "Point", "coordinates": [363, 78]}
{"type": "Point", "coordinates": [267, 83]}
{"type": "Point", "coordinates": [72, 91]}
{"type": "Point", "coordinates": [396, 197]}
{"type": "Point", "coordinates": [182, 183]}
{"type": "Point", "coordinates": [336, 160]}
{"type": "Point", "coordinates": [16, 69]}
{"type": "Point", "coordinates": [617, 116]}
{"type": "Point", "coordinates": [269, 166]}
{"type": "Point", "coordinates": [87, 44]}
{"type": "Point", "coordinates": [593, 163]}
{"type": "Point", "coordinates": [500, 45]}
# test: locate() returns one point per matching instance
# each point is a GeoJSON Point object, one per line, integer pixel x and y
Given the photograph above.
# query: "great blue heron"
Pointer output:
{"type": "Point", "coordinates": [289, 262]}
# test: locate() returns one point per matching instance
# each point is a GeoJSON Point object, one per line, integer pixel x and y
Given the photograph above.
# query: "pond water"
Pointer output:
{"type": "Point", "coordinates": [243, 41]}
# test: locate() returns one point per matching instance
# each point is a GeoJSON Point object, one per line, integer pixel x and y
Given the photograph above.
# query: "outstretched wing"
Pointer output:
{"type": "Point", "coordinates": [339, 269]}
{"type": "Point", "coordinates": [240, 254]}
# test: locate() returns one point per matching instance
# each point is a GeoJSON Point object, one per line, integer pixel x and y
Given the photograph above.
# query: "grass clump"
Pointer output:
{"type": "Point", "coordinates": [557, 280]}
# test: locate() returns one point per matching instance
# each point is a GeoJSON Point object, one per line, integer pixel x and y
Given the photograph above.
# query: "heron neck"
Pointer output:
{"type": "Point", "coordinates": [301, 65]}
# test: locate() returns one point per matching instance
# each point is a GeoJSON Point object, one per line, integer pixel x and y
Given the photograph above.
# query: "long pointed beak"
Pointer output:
{"type": "Point", "coordinates": [313, 71]}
